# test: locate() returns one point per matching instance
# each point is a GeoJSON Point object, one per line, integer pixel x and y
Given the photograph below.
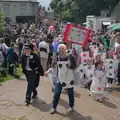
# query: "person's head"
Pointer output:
{"type": "Point", "coordinates": [61, 37]}
{"type": "Point", "coordinates": [16, 48]}
{"type": "Point", "coordinates": [27, 41]}
{"type": "Point", "coordinates": [12, 45]}
{"type": "Point", "coordinates": [62, 49]}
{"type": "Point", "coordinates": [90, 61]}
{"type": "Point", "coordinates": [98, 57]}
{"type": "Point", "coordinates": [110, 54]}
{"type": "Point", "coordinates": [101, 47]}
{"type": "Point", "coordinates": [28, 49]}
{"type": "Point", "coordinates": [2, 40]}
{"type": "Point", "coordinates": [33, 41]}
{"type": "Point", "coordinates": [99, 65]}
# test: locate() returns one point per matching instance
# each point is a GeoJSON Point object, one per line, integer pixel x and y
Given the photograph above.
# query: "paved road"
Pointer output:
{"type": "Point", "coordinates": [12, 106]}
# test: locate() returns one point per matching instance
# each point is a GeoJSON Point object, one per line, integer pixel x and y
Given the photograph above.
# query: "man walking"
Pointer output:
{"type": "Point", "coordinates": [32, 69]}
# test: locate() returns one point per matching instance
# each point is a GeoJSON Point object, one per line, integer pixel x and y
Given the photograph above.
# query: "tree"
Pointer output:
{"type": "Point", "coordinates": [77, 10]}
{"type": "Point", "coordinates": [2, 27]}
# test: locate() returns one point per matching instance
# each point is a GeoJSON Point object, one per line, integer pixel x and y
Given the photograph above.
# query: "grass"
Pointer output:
{"type": "Point", "coordinates": [4, 79]}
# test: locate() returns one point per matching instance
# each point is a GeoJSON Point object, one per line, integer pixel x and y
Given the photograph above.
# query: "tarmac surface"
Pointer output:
{"type": "Point", "coordinates": [12, 104]}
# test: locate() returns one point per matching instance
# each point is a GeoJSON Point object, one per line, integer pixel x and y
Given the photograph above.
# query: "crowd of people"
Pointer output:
{"type": "Point", "coordinates": [42, 52]}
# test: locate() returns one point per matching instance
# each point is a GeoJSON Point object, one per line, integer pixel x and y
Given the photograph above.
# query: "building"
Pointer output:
{"type": "Point", "coordinates": [98, 23]}
{"type": "Point", "coordinates": [50, 16]}
{"type": "Point", "coordinates": [20, 10]}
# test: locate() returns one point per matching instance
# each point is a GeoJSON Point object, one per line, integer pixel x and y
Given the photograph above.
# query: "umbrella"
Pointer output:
{"type": "Point", "coordinates": [114, 25]}
{"type": "Point", "coordinates": [116, 28]}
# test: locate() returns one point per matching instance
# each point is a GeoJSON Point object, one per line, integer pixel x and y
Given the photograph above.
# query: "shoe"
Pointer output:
{"type": "Point", "coordinates": [70, 110]}
{"type": "Point", "coordinates": [34, 96]}
{"type": "Point", "coordinates": [89, 94]}
{"type": "Point", "coordinates": [27, 103]}
{"type": "Point", "coordinates": [53, 111]}
{"type": "Point", "coordinates": [101, 100]}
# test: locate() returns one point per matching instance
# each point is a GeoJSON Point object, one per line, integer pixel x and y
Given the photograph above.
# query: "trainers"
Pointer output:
{"type": "Point", "coordinates": [70, 110]}
{"type": "Point", "coordinates": [53, 111]}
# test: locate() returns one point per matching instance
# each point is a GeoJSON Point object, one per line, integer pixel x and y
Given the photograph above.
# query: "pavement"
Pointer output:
{"type": "Point", "coordinates": [12, 105]}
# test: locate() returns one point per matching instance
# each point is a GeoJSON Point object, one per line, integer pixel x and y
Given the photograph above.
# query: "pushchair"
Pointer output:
{"type": "Point", "coordinates": [2, 70]}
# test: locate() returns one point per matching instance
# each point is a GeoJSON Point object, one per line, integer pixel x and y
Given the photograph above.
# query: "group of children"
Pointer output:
{"type": "Point", "coordinates": [99, 71]}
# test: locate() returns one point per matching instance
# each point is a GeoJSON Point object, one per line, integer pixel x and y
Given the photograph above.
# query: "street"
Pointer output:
{"type": "Point", "coordinates": [12, 105]}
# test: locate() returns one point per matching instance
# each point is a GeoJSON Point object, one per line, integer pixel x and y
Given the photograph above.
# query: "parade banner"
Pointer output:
{"type": "Point", "coordinates": [76, 34]}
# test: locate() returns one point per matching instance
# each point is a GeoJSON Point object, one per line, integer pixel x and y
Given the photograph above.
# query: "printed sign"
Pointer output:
{"type": "Point", "coordinates": [76, 34]}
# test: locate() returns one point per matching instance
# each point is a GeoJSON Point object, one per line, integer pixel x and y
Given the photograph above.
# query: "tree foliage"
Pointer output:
{"type": "Point", "coordinates": [2, 27]}
{"type": "Point", "coordinates": [77, 10]}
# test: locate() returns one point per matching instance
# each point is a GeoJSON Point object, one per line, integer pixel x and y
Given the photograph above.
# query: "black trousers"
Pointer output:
{"type": "Point", "coordinates": [11, 68]}
{"type": "Point", "coordinates": [110, 80]}
{"type": "Point", "coordinates": [33, 82]}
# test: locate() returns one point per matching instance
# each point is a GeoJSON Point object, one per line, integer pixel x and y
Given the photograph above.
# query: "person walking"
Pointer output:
{"type": "Point", "coordinates": [32, 69]}
{"type": "Point", "coordinates": [65, 65]}
{"type": "Point", "coordinates": [44, 53]}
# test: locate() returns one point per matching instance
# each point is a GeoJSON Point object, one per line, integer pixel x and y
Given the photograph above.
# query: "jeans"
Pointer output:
{"type": "Point", "coordinates": [57, 93]}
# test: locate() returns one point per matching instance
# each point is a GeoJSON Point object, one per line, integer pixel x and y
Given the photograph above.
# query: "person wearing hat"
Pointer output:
{"type": "Point", "coordinates": [32, 69]}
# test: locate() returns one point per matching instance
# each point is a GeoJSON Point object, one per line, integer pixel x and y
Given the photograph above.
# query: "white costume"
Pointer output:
{"type": "Point", "coordinates": [65, 74]}
{"type": "Point", "coordinates": [99, 82]}
{"type": "Point", "coordinates": [84, 57]}
{"type": "Point", "coordinates": [89, 73]}
{"type": "Point", "coordinates": [111, 67]}
{"type": "Point", "coordinates": [80, 70]}
{"type": "Point", "coordinates": [94, 50]}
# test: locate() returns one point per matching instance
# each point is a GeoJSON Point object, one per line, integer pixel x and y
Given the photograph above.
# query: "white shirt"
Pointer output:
{"type": "Point", "coordinates": [44, 45]}
{"type": "Point", "coordinates": [4, 47]}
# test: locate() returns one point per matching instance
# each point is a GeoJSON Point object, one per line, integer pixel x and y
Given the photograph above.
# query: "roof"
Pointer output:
{"type": "Point", "coordinates": [18, 1]}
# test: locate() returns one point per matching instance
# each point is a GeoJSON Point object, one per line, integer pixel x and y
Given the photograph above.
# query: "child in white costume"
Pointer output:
{"type": "Point", "coordinates": [99, 82]}
{"type": "Point", "coordinates": [80, 70]}
{"type": "Point", "coordinates": [89, 69]}
{"type": "Point", "coordinates": [111, 68]}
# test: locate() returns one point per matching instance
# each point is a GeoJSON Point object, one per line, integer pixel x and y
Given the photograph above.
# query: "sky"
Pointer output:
{"type": "Point", "coordinates": [44, 3]}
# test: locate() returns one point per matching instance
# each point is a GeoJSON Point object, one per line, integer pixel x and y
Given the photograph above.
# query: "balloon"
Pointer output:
{"type": "Point", "coordinates": [51, 28]}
